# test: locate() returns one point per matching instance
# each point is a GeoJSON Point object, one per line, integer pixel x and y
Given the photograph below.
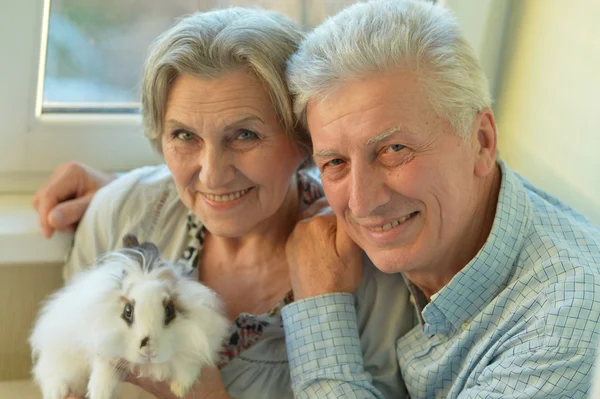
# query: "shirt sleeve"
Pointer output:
{"type": "Point", "coordinates": [324, 349]}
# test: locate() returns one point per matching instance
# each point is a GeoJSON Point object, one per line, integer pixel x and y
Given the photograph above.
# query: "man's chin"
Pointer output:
{"type": "Point", "coordinates": [386, 260]}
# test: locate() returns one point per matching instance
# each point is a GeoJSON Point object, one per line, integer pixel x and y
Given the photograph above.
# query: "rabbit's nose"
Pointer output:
{"type": "Point", "coordinates": [144, 342]}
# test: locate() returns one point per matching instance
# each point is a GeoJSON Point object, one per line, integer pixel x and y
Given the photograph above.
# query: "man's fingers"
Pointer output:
{"type": "Point", "coordinates": [44, 207]}
{"type": "Point", "coordinates": [62, 185]}
{"type": "Point", "coordinates": [66, 214]}
{"type": "Point", "coordinates": [344, 244]}
{"type": "Point", "coordinates": [315, 208]}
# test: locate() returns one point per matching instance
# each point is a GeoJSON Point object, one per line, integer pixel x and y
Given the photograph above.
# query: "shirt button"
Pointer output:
{"type": "Point", "coordinates": [464, 326]}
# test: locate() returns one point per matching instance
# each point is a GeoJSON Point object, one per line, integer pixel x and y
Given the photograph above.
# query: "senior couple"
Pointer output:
{"type": "Point", "coordinates": [431, 270]}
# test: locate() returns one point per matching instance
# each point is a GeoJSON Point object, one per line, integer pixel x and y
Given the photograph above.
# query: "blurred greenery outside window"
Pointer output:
{"type": "Point", "coordinates": [96, 48]}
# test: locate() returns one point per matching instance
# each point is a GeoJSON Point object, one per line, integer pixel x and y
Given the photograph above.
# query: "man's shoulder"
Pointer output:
{"type": "Point", "coordinates": [560, 285]}
{"type": "Point", "coordinates": [560, 241]}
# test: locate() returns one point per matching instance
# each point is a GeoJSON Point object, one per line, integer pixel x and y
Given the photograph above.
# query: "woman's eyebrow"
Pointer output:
{"type": "Point", "coordinates": [245, 119]}
{"type": "Point", "coordinates": [174, 123]}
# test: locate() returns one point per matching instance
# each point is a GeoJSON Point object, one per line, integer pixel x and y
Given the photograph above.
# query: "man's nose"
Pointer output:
{"type": "Point", "coordinates": [367, 190]}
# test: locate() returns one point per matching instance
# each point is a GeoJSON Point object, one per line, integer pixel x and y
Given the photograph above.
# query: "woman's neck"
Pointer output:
{"type": "Point", "coordinates": [263, 245]}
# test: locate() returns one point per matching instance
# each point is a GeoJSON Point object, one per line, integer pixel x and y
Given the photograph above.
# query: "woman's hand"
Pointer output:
{"type": "Point", "coordinates": [322, 257]}
{"type": "Point", "coordinates": [209, 386]}
{"type": "Point", "coordinates": [63, 199]}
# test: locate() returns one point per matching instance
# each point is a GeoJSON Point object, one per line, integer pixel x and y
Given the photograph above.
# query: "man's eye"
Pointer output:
{"type": "Point", "coordinates": [183, 135]}
{"type": "Point", "coordinates": [335, 162]}
{"type": "Point", "coordinates": [395, 148]}
{"type": "Point", "coordinates": [245, 134]}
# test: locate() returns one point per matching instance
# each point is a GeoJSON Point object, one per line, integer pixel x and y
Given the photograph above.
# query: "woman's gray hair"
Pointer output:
{"type": "Point", "coordinates": [374, 37]}
{"type": "Point", "coordinates": [213, 43]}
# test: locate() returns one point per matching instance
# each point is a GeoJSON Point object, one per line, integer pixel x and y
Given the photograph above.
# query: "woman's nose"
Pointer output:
{"type": "Point", "coordinates": [216, 169]}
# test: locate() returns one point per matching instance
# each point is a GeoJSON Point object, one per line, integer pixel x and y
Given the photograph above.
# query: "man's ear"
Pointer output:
{"type": "Point", "coordinates": [486, 141]}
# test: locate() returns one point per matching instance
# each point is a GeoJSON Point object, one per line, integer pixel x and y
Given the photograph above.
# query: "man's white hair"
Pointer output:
{"type": "Point", "coordinates": [377, 36]}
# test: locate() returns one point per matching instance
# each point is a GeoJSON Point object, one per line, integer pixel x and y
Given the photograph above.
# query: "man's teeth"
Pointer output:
{"type": "Point", "coordinates": [394, 223]}
{"type": "Point", "coordinates": [226, 197]}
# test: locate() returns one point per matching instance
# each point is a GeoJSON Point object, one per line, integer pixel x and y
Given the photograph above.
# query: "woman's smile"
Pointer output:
{"type": "Point", "coordinates": [226, 201]}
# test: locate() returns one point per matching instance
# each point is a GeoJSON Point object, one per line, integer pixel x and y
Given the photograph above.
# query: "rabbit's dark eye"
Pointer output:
{"type": "Point", "coordinates": [128, 313]}
{"type": "Point", "coordinates": [169, 312]}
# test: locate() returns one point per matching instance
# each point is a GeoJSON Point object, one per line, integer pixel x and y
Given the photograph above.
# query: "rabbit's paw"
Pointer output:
{"type": "Point", "coordinates": [56, 391]}
{"type": "Point", "coordinates": [178, 389]}
{"type": "Point", "coordinates": [103, 380]}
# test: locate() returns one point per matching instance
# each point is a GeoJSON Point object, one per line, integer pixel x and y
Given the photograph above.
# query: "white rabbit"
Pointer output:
{"type": "Point", "coordinates": [133, 307]}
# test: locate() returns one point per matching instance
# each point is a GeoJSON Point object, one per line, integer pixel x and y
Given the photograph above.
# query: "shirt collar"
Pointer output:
{"type": "Point", "coordinates": [485, 275]}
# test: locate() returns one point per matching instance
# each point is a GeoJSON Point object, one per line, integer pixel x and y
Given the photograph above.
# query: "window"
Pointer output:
{"type": "Point", "coordinates": [71, 71]}
{"type": "Point", "coordinates": [96, 48]}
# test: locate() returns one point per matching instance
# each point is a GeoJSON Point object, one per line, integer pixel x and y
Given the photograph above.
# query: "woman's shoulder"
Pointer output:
{"type": "Point", "coordinates": [136, 202]}
{"type": "Point", "coordinates": [386, 293]}
{"type": "Point", "coordinates": [384, 314]}
{"type": "Point", "coordinates": [135, 193]}
{"type": "Point", "coordinates": [137, 183]}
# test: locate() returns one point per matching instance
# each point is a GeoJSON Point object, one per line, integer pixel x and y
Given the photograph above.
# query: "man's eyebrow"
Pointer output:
{"type": "Point", "coordinates": [324, 154]}
{"type": "Point", "coordinates": [385, 134]}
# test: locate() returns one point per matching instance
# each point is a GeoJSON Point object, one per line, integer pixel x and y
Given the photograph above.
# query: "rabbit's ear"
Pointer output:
{"type": "Point", "coordinates": [151, 254]}
{"type": "Point", "coordinates": [130, 241]}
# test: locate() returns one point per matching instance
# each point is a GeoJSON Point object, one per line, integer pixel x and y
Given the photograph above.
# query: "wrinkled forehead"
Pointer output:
{"type": "Point", "coordinates": [372, 107]}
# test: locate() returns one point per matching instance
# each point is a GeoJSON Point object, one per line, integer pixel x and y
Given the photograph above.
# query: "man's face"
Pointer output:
{"type": "Point", "coordinates": [402, 183]}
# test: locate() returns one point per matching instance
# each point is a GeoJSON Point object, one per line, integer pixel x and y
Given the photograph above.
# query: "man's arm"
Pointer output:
{"type": "Point", "coordinates": [324, 349]}
{"type": "Point", "coordinates": [321, 329]}
{"type": "Point", "coordinates": [63, 199]}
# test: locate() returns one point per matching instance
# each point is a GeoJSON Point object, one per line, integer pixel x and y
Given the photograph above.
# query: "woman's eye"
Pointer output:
{"type": "Point", "coordinates": [183, 135]}
{"type": "Point", "coordinates": [395, 148]}
{"type": "Point", "coordinates": [245, 134]}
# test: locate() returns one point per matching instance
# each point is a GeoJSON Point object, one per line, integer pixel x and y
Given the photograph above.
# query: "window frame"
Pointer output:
{"type": "Point", "coordinates": [32, 144]}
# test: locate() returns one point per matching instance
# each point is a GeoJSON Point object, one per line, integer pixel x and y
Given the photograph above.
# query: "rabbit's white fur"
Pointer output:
{"type": "Point", "coordinates": [81, 334]}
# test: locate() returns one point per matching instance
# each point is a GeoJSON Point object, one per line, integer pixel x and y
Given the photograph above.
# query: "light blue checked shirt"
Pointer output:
{"type": "Point", "coordinates": [521, 320]}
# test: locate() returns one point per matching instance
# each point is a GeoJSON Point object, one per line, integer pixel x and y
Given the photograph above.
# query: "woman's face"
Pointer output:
{"type": "Point", "coordinates": [232, 161]}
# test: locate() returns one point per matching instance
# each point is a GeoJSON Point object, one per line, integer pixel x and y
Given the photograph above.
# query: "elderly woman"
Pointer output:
{"type": "Point", "coordinates": [215, 104]}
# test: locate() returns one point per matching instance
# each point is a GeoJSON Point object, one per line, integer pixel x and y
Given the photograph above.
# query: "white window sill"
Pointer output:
{"type": "Point", "coordinates": [21, 239]}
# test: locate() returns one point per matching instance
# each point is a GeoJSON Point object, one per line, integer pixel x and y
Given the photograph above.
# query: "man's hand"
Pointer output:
{"type": "Point", "coordinates": [321, 256]}
{"type": "Point", "coordinates": [63, 199]}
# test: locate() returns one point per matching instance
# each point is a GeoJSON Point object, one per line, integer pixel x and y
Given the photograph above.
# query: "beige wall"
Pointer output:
{"type": "Point", "coordinates": [22, 288]}
{"type": "Point", "coordinates": [548, 108]}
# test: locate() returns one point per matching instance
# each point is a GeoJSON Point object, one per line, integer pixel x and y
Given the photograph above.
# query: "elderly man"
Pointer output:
{"type": "Point", "coordinates": [504, 277]}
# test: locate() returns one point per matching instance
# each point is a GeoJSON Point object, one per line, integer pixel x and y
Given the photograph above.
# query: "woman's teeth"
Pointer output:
{"type": "Point", "coordinates": [394, 223]}
{"type": "Point", "coordinates": [226, 197]}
